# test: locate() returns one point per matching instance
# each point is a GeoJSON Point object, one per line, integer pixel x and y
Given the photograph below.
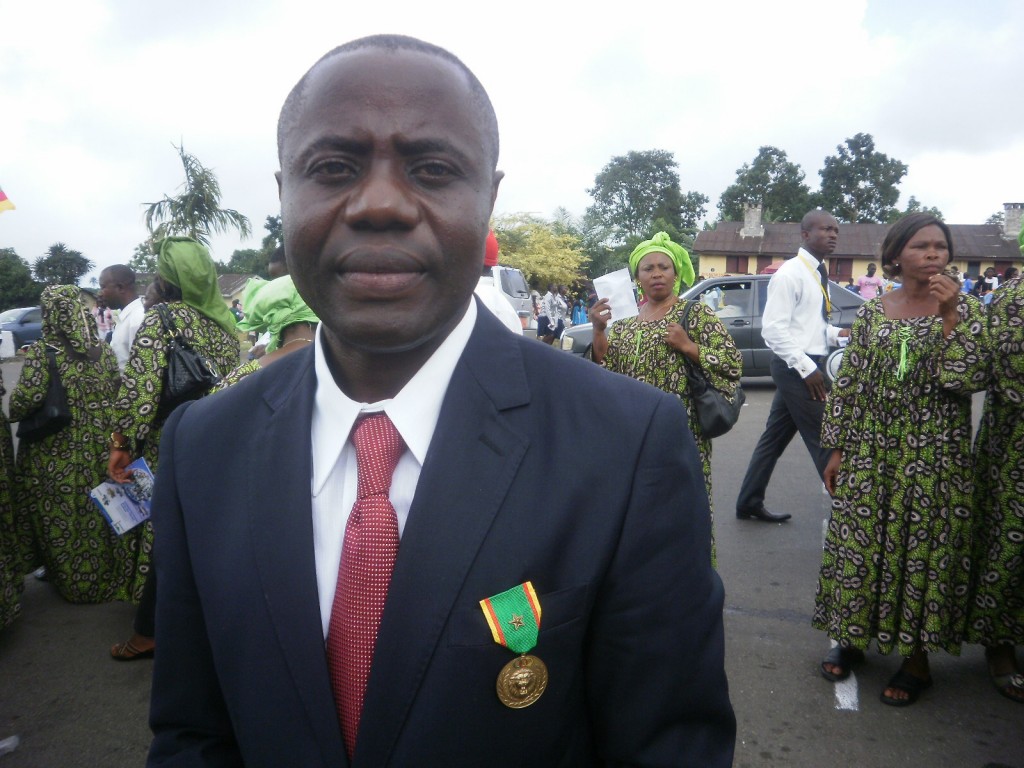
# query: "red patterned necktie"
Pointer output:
{"type": "Point", "coordinates": [367, 560]}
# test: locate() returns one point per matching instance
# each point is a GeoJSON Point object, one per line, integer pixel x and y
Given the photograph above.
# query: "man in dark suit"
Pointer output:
{"type": "Point", "coordinates": [388, 150]}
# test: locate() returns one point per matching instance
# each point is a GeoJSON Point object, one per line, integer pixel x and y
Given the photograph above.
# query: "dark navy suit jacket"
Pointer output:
{"type": "Point", "coordinates": [543, 467]}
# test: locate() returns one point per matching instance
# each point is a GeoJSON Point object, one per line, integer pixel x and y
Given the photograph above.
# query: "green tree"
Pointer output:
{"type": "Point", "coordinates": [635, 190]}
{"type": "Point", "coordinates": [275, 234]}
{"type": "Point", "coordinates": [999, 217]}
{"type": "Point", "coordinates": [61, 266]}
{"type": "Point", "coordinates": [860, 184]}
{"type": "Point", "coordinates": [17, 288]}
{"type": "Point", "coordinates": [772, 182]}
{"type": "Point", "coordinates": [196, 212]}
{"type": "Point", "coordinates": [143, 259]}
{"type": "Point", "coordinates": [248, 261]}
{"type": "Point", "coordinates": [913, 206]}
{"type": "Point", "coordinates": [545, 252]}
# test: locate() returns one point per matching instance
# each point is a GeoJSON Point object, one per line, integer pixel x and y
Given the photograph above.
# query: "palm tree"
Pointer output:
{"type": "Point", "coordinates": [196, 212]}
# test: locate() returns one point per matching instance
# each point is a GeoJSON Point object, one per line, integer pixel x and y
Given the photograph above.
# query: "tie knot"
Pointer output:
{"type": "Point", "coordinates": [379, 446]}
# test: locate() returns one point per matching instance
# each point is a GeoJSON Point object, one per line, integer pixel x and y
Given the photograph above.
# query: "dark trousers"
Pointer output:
{"type": "Point", "coordinates": [792, 411]}
{"type": "Point", "coordinates": [145, 614]}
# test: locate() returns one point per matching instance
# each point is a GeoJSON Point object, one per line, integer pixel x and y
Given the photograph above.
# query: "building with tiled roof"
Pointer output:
{"type": "Point", "coordinates": [751, 247]}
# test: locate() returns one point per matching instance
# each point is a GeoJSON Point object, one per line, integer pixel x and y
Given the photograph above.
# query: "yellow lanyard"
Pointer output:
{"type": "Point", "coordinates": [817, 279]}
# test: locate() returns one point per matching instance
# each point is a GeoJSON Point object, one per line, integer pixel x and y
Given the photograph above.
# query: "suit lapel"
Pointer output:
{"type": "Point", "coordinates": [282, 536]}
{"type": "Point", "coordinates": [447, 525]}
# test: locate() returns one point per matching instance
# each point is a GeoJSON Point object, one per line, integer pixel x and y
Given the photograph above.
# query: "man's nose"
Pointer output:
{"type": "Point", "coordinates": [381, 199]}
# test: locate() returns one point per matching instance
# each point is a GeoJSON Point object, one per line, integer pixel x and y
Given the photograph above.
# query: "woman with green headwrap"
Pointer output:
{"type": "Point", "coordinates": [273, 307]}
{"type": "Point", "coordinates": [187, 285]}
{"type": "Point", "coordinates": [653, 346]}
{"type": "Point", "coordinates": [56, 522]}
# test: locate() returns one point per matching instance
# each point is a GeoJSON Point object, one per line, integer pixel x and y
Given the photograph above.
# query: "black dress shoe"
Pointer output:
{"type": "Point", "coordinates": [762, 514]}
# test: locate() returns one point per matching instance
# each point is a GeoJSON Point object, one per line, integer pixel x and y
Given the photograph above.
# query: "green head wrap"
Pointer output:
{"type": "Point", "coordinates": [273, 306]}
{"type": "Point", "coordinates": [187, 264]}
{"type": "Point", "coordinates": [662, 243]}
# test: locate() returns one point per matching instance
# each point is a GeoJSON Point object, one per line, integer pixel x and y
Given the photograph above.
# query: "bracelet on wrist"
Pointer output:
{"type": "Point", "coordinates": [118, 446]}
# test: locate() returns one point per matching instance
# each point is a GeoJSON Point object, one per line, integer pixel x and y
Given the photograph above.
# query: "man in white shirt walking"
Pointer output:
{"type": "Point", "coordinates": [795, 327]}
{"type": "Point", "coordinates": [117, 288]}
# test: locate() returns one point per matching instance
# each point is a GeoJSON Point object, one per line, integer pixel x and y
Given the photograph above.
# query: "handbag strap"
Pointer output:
{"type": "Point", "coordinates": [693, 372]}
{"type": "Point", "coordinates": [168, 322]}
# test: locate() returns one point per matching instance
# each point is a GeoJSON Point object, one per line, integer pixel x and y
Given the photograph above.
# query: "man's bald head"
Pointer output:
{"type": "Point", "coordinates": [293, 103]}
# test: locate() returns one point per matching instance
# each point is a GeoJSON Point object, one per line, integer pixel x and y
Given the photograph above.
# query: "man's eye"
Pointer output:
{"type": "Point", "coordinates": [332, 168]}
{"type": "Point", "coordinates": [433, 170]}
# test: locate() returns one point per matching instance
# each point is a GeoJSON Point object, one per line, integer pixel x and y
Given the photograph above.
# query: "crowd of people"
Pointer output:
{"type": "Point", "coordinates": [369, 632]}
{"type": "Point", "coordinates": [114, 388]}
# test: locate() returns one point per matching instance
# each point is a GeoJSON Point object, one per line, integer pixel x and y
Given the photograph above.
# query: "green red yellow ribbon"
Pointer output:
{"type": "Point", "coordinates": [514, 617]}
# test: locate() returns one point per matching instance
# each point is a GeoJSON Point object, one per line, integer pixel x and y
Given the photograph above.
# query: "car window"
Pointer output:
{"type": "Point", "coordinates": [842, 298]}
{"type": "Point", "coordinates": [33, 316]}
{"type": "Point", "coordinates": [9, 316]}
{"type": "Point", "coordinates": [729, 299]}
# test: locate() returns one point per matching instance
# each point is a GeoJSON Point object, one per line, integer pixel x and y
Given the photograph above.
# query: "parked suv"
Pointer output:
{"type": "Point", "coordinates": [739, 302]}
{"type": "Point", "coordinates": [25, 325]}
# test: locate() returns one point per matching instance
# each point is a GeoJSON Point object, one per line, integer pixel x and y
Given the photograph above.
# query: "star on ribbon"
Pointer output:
{"type": "Point", "coordinates": [517, 622]}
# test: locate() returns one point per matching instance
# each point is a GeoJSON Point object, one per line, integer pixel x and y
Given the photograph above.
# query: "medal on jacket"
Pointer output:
{"type": "Point", "coordinates": [514, 619]}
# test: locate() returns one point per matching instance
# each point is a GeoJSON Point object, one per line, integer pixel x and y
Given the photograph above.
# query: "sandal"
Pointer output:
{"type": "Point", "coordinates": [844, 658]}
{"type": "Point", "coordinates": [127, 652]}
{"type": "Point", "coordinates": [1011, 686]}
{"type": "Point", "coordinates": [908, 684]}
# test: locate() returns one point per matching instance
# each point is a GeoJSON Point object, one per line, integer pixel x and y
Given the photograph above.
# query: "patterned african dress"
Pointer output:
{"type": "Point", "coordinates": [239, 373]}
{"type": "Point", "coordinates": [137, 412]}
{"type": "Point", "coordinates": [12, 577]}
{"type": "Point", "coordinates": [85, 560]}
{"type": "Point", "coordinates": [637, 349]}
{"type": "Point", "coordinates": [896, 565]}
{"type": "Point", "coordinates": [996, 613]}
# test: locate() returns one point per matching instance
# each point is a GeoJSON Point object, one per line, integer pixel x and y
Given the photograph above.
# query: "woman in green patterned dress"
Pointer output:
{"type": "Point", "coordinates": [996, 613]}
{"type": "Point", "coordinates": [12, 573]}
{"type": "Point", "coordinates": [653, 347]}
{"type": "Point", "coordinates": [896, 564]}
{"type": "Point", "coordinates": [85, 560]}
{"type": "Point", "coordinates": [187, 285]}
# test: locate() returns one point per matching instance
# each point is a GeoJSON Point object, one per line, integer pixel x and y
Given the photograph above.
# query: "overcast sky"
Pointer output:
{"type": "Point", "coordinates": [93, 93]}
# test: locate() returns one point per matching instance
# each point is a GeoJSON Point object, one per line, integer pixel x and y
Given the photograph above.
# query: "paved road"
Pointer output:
{"type": "Point", "coordinates": [74, 707]}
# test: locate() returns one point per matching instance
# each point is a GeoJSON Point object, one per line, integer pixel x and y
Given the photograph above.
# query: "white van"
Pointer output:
{"type": "Point", "coordinates": [512, 284]}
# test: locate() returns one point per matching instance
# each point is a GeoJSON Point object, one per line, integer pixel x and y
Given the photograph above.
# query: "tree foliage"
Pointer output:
{"type": "Point", "coordinates": [999, 217]}
{"type": "Point", "coordinates": [546, 252]}
{"type": "Point", "coordinates": [252, 261]}
{"type": "Point", "coordinates": [143, 259]}
{"type": "Point", "coordinates": [771, 181]}
{"type": "Point", "coordinates": [17, 288]}
{"type": "Point", "coordinates": [61, 266]}
{"type": "Point", "coordinates": [860, 184]}
{"type": "Point", "coordinates": [196, 212]}
{"type": "Point", "coordinates": [913, 206]}
{"type": "Point", "coordinates": [638, 194]}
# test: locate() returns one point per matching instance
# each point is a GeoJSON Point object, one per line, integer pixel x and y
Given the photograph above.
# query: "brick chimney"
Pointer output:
{"type": "Point", "coordinates": [752, 226]}
{"type": "Point", "coordinates": [1012, 214]}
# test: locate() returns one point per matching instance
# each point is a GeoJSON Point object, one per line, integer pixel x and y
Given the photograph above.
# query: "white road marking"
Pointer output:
{"type": "Point", "coordinates": [847, 696]}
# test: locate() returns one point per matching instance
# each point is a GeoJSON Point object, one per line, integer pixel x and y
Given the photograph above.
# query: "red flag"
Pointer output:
{"type": "Point", "coordinates": [5, 204]}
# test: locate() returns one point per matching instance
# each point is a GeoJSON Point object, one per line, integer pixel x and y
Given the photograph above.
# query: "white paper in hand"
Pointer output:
{"type": "Point", "coordinates": [617, 287]}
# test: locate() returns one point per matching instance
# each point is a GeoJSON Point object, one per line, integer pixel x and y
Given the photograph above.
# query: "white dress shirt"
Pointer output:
{"type": "Point", "coordinates": [414, 412]}
{"type": "Point", "coordinates": [128, 323]}
{"type": "Point", "coordinates": [792, 324]}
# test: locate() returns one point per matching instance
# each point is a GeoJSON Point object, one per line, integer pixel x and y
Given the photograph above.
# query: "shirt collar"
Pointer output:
{"type": "Point", "coordinates": [414, 410]}
{"type": "Point", "coordinates": [809, 257]}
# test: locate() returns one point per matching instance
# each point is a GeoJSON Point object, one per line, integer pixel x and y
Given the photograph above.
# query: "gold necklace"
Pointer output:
{"type": "Point", "coordinates": [293, 341]}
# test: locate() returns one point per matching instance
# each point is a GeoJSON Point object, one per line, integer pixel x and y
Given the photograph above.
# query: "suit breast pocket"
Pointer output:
{"type": "Point", "coordinates": [562, 614]}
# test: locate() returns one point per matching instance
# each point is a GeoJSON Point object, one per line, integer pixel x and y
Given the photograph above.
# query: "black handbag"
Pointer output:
{"type": "Point", "coordinates": [189, 375]}
{"type": "Point", "coordinates": [53, 415]}
{"type": "Point", "coordinates": [716, 413]}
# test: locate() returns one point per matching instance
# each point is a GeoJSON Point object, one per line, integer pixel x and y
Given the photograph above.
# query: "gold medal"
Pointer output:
{"type": "Point", "coordinates": [522, 681]}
